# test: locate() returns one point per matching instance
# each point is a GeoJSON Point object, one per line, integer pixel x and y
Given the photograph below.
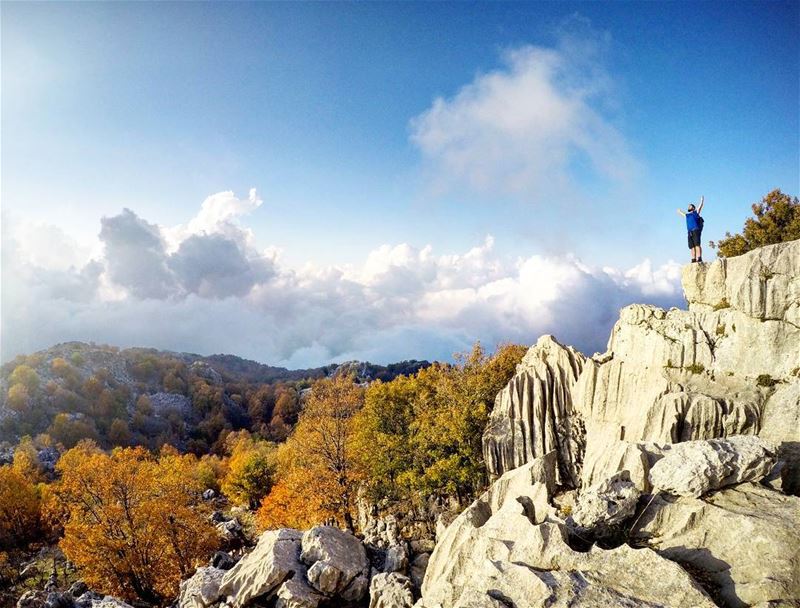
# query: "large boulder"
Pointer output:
{"type": "Point", "coordinates": [533, 414]}
{"type": "Point", "coordinates": [275, 559]}
{"type": "Point", "coordinates": [496, 554]}
{"type": "Point", "coordinates": [391, 590]}
{"type": "Point", "coordinates": [606, 505]}
{"type": "Point", "coordinates": [337, 563]}
{"type": "Point", "coordinates": [202, 589]}
{"type": "Point", "coordinates": [745, 540]}
{"type": "Point", "coordinates": [696, 467]}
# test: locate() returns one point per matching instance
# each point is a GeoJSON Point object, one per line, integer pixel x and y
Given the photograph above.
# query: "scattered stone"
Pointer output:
{"type": "Point", "coordinates": [57, 599]}
{"type": "Point", "coordinates": [230, 530]}
{"type": "Point", "coordinates": [604, 506]}
{"type": "Point", "coordinates": [391, 590]}
{"type": "Point", "coordinates": [32, 599]}
{"type": "Point", "coordinates": [296, 593]}
{"type": "Point", "coordinates": [424, 545]}
{"type": "Point", "coordinates": [78, 588]}
{"type": "Point", "coordinates": [110, 602]}
{"type": "Point", "coordinates": [85, 600]}
{"type": "Point", "coordinates": [209, 494]}
{"type": "Point", "coordinates": [222, 560]}
{"type": "Point", "coordinates": [202, 589]}
{"type": "Point", "coordinates": [694, 468]}
{"type": "Point", "coordinates": [396, 559]}
{"type": "Point", "coordinates": [418, 567]}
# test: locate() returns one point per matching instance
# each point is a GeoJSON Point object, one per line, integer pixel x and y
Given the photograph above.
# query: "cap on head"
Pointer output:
{"type": "Point", "coordinates": [691, 207]}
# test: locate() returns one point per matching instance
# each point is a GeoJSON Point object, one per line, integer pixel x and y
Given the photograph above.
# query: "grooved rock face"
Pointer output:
{"type": "Point", "coordinates": [534, 415]}
{"type": "Point", "coordinates": [746, 539]}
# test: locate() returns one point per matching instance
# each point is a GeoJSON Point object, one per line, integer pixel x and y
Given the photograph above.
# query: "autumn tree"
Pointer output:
{"type": "Point", "coordinates": [68, 430]}
{"type": "Point", "coordinates": [18, 398]}
{"type": "Point", "coordinates": [26, 461]}
{"type": "Point", "coordinates": [19, 508]}
{"type": "Point", "coordinates": [135, 525]}
{"type": "Point", "coordinates": [776, 219]}
{"type": "Point", "coordinates": [425, 430]}
{"type": "Point", "coordinates": [319, 462]}
{"type": "Point", "coordinates": [25, 375]}
{"type": "Point", "coordinates": [251, 469]}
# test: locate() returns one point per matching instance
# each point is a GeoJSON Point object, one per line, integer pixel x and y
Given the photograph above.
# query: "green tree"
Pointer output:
{"type": "Point", "coordinates": [776, 220]}
{"type": "Point", "coordinates": [422, 434]}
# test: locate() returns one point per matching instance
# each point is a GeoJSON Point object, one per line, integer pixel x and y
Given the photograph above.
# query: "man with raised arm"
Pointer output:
{"type": "Point", "coordinates": [694, 226]}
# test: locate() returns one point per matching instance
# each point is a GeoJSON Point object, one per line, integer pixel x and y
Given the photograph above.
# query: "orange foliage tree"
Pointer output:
{"type": "Point", "coordinates": [135, 524]}
{"type": "Point", "coordinates": [319, 464]}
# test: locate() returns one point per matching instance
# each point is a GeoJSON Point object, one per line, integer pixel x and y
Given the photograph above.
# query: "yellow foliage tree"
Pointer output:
{"type": "Point", "coordinates": [135, 525]}
{"type": "Point", "coordinates": [320, 466]}
{"type": "Point", "coordinates": [26, 461]}
{"type": "Point", "coordinates": [251, 469]}
{"type": "Point", "coordinates": [19, 508]}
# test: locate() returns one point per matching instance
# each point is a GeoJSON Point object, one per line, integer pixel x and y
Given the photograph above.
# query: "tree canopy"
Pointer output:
{"type": "Point", "coordinates": [776, 219]}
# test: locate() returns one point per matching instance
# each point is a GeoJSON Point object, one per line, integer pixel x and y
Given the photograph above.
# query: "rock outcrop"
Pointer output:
{"type": "Point", "coordinates": [263, 571]}
{"type": "Point", "coordinates": [745, 539]}
{"type": "Point", "coordinates": [607, 504]}
{"type": "Point", "coordinates": [533, 415]}
{"type": "Point", "coordinates": [499, 553]}
{"type": "Point", "coordinates": [202, 589]}
{"type": "Point", "coordinates": [337, 561]}
{"type": "Point", "coordinates": [391, 590]}
{"type": "Point", "coordinates": [730, 365]}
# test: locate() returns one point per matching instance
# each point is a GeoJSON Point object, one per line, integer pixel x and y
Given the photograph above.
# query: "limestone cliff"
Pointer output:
{"type": "Point", "coordinates": [729, 365]}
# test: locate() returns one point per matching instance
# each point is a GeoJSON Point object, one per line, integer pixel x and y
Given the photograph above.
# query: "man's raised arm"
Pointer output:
{"type": "Point", "coordinates": [702, 202]}
{"type": "Point", "coordinates": [681, 212]}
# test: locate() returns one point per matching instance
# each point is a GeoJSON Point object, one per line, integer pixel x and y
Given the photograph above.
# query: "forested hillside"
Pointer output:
{"type": "Point", "coordinates": [137, 396]}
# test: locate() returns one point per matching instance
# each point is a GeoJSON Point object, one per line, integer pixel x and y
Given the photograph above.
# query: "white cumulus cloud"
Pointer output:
{"type": "Point", "coordinates": [214, 292]}
{"type": "Point", "coordinates": [533, 128]}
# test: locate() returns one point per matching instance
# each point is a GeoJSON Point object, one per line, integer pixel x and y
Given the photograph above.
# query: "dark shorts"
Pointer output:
{"type": "Point", "coordinates": [694, 238]}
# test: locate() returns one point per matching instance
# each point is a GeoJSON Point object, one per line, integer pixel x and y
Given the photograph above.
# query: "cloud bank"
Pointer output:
{"type": "Point", "coordinates": [205, 287]}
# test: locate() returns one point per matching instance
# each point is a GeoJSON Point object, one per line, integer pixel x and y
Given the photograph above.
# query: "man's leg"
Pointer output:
{"type": "Point", "coordinates": [699, 253]}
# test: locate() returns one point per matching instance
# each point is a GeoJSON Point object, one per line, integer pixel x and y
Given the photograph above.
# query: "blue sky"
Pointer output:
{"type": "Point", "coordinates": [563, 130]}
